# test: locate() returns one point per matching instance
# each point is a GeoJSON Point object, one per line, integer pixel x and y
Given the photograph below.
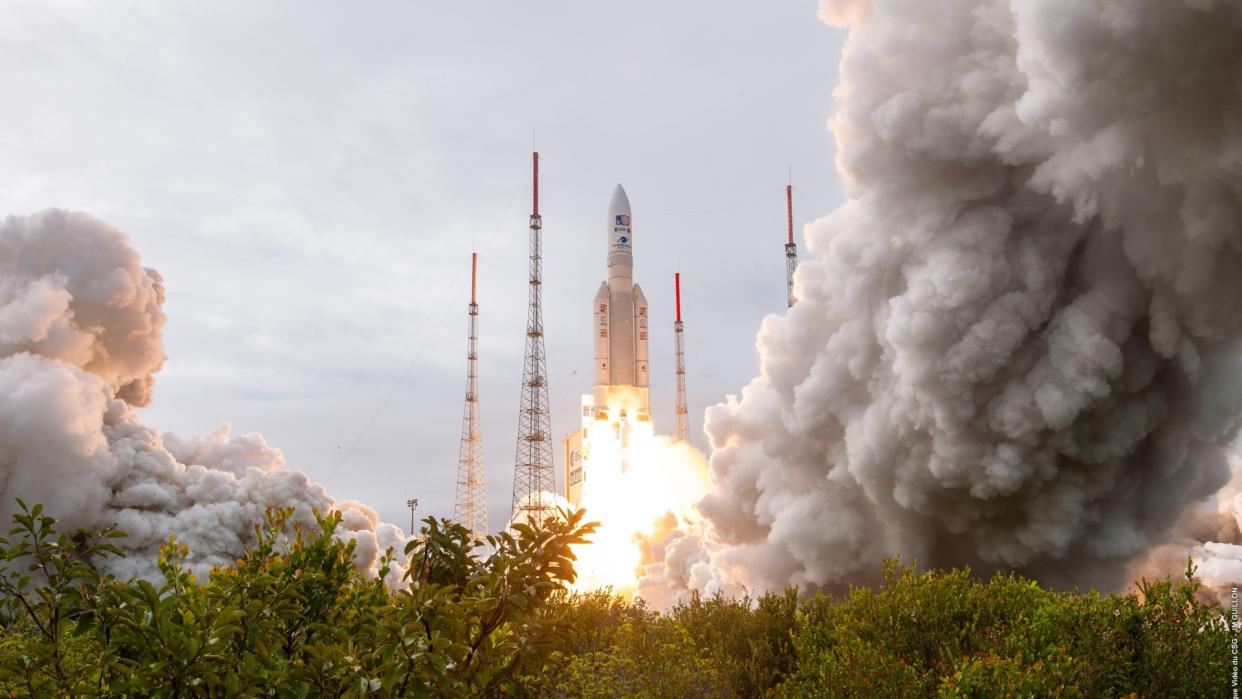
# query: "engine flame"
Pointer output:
{"type": "Point", "coordinates": [634, 482]}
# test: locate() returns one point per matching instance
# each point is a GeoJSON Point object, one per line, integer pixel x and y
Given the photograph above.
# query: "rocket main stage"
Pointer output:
{"type": "Point", "coordinates": [620, 397]}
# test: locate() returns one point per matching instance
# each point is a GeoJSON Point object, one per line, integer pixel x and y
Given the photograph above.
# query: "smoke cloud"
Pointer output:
{"type": "Point", "coordinates": [80, 344]}
{"type": "Point", "coordinates": [1016, 343]}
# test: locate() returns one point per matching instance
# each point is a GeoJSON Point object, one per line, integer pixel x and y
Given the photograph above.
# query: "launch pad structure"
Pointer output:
{"type": "Point", "coordinates": [470, 506]}
{"type": "Point", "coordinates": [620, 399]}
{"type": "Point", "coordinates": [534, 474]}
{"type": "Point", "coordinates": [679, 354]}
{"type": "Point", "coordinates": [791, 248]}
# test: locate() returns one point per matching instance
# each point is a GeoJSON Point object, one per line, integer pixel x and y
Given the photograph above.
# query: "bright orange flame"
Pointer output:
{"type": "Point", "coordinates": [634, 479]}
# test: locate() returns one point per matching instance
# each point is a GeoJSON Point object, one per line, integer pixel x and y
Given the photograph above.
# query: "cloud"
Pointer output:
{"type": "Point", "coordinates": [1016, 343]}
{"type": "Point", "coordinates": [80, 344]}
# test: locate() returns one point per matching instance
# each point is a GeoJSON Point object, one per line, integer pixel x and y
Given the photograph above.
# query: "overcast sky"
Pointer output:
{"type": "Point", "coordinates": [310, 178]}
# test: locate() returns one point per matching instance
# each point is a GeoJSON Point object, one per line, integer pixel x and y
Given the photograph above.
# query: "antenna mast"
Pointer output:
{"type": "Point", "coordinates": [534, 474]}
{"type": "Point", "coordinates": [470, 509]}
{"type": "Point", "coordinates": [791, 248]}
{"type": "Point", "coordinates": [683, 417]}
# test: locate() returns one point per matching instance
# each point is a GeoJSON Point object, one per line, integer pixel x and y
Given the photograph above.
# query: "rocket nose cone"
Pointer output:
{"type": "Point", "coordinates": [620, 203]}
{"type": "Point", "coordinates": [620, 233]}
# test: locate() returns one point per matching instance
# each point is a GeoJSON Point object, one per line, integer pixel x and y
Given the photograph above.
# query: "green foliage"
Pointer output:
{"type": "Point", "coordinates": [949, 634]}
{"type": "Point", "coordinates": [750, 638]}
{"type": "Point", "coordinates": [617, 648]}
{"type": "Point", "coordinates": [657, 658]}
{"type": "Point", "coordinates": [45, 620]}
{"type": "Point", "coordinates": [292, 618]}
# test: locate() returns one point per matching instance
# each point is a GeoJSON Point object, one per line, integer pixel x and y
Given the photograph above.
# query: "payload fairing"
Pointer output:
{"type": "Point", "coordinates": [621, 373]}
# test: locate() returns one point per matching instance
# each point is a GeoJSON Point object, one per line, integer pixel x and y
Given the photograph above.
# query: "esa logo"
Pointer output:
{"type": "Point", "coordinates": [622, 229]}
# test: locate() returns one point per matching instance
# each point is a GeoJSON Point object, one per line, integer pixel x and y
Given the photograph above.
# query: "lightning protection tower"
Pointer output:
{"type": "Point", "coordinates": [791, 248]}
{"type": "Point", "coordinates": [683, 417]}
{"type": "Point", "coordinates": [534, 479]}
{"type": "Point", "coordinates": [470, 509]}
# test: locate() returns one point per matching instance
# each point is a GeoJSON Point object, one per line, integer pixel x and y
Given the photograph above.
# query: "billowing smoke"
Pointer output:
{"type": "Point", "coordinates": [80, 343]}
{"type": "Point", "coordinates": [1016, 344]}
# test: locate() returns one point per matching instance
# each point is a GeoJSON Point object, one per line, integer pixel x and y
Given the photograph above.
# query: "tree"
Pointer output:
{"type": "Point", "coordinates": [291, 615]}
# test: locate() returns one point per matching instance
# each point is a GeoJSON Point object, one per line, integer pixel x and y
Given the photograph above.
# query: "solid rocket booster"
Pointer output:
{"type": "Point", "coordinates": [602, 374]}
{"type": "Point", "coordinates": [640, 337]}
{"type": "Point", "coordinates": [620, 308]}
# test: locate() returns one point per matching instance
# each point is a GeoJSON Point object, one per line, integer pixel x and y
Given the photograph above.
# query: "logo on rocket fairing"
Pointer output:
{"type": "Point", "coordinates": [622, 227]}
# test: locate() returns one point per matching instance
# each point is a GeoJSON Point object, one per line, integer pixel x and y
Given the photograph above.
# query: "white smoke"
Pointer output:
{"type": "Point", "coordinates": [1016, 343]}
{"type": "Point", "coordinates": [80, 343]}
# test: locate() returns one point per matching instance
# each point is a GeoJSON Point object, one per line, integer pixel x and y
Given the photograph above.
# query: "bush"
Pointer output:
{"type": "Point", "coordinates": [948, 634]}
{"type": "Point", "coordinates": [656, 658]}
{"type": "Point", "coordinates": [293, 618]}
{"type": "Point", "coordinates": [292, 615]}
{"type": "Point", "coordinates": [751, 639]}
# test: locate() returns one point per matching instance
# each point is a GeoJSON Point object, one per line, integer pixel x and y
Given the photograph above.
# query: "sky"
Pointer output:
{"type": "Point", "coordinates": [311, 177]}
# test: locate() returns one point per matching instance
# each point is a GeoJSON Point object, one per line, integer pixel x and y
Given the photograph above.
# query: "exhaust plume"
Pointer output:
{"type": "Point", "coordinates": [80, 344]}
{"type": "Point", "coordinates": [1016, 345]}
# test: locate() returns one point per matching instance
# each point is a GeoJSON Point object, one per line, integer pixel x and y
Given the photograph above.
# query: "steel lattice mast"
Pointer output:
{"type": "Point", "coordinates": [791, 248]}
{"type": "Point", "coordinates": [683, 417]}
{"type": "Point", "coordinates": [470, 509]}
{"type": "Point", "coordinates": [534, 479]}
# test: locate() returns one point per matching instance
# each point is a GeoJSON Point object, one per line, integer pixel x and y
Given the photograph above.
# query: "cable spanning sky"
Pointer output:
{"type": "Point", "coordinates": [311, 178]}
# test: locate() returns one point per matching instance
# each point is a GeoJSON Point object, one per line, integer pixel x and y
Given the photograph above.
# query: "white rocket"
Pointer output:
{"type": "Point", "coordinates": [621, 314]}
{"type": "Point", "coordinates": [620, 395]}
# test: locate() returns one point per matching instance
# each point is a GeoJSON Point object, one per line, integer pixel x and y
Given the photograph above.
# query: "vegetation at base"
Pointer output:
{"type": "Point", "coordinates": [293, 619]}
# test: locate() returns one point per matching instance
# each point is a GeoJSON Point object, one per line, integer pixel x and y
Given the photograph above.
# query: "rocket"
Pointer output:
{"type": "Point", "coordinates": [620, 396]}
{"type": "Point", "coordinates": [620, 313]}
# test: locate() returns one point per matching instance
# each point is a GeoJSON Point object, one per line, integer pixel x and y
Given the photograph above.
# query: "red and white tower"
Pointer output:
{"type": "Point", "coordinates": [679, 349]}
{"type": "Point", "coordinates": [470, 509]}
{"type": "Point", "coordinates": [534, 475]}
{"type": "Point", "coordinates": [791, 248]}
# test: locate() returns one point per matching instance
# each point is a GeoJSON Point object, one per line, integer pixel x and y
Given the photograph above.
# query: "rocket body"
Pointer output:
{"type": "Point", "coordinates": [619, 400]}
{"type": "Point", "coordinates": [620, 312]}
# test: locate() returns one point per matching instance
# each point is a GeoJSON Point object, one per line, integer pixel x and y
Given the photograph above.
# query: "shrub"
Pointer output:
{"type": "Point", "coordinates": [946, 633]}
{"type": "Point", "coordinates": [751, 639]}
{"type": "Point", "coordinates": [293, 618]}
{"type": "Point", "coordinates": [657, 658]}
{"type": "Point", "coordinates": [291, 615]}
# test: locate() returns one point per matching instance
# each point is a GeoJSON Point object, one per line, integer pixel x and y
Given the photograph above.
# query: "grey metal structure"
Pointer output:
{"type": "Point", "coordinates": [679, 349]}
{"type": "Point", "coordinates": [534, 473]}
{"type": "Point", "coordinates": [791, 248]}
{"type": "Point", "coordinates": [470, 508]}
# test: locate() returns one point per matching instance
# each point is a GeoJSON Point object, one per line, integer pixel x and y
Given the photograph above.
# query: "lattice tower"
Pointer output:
{"type": "Point", "coordinates": [679, 348]}
{"type": "Point", "coordinates": [791, 248]}
{"type": "Point", "coordinates": [534, 479]}
{"type": "Point", "coordinates": [470, 509]}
